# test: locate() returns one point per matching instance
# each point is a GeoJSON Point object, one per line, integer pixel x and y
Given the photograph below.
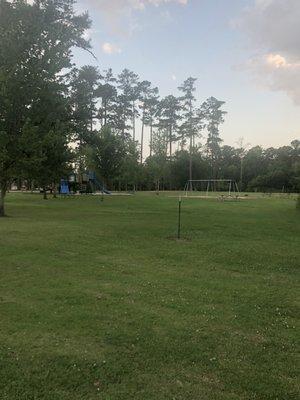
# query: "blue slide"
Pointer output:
{"type": "Point", "coordinates": [101, 186]}
{"type": "Point", "coordinates": [64, 187]}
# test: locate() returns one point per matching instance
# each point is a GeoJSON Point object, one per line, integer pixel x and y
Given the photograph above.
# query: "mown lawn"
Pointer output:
{"type": "Point", "coordinates": [99, 301]}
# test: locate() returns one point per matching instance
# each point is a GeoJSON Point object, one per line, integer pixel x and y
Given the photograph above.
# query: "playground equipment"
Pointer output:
{"type": "Point", "coordinates": [87, 182]}
{"type": "Point", "coordinates": [83, 183]}
{"type": "Point", "coordinates": [96, 183]}
{"type": "Point", "coordinates": [203, 187]}
{"type": "Point", "coordinates": [64, 187]}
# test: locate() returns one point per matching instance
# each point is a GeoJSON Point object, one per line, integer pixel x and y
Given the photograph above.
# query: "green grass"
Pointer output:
{"type": "Point", "coordinates": [99, 301]}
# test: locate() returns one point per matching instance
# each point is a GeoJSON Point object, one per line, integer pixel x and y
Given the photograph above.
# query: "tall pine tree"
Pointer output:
{"type": "Point", "coordinates": [214, 116]}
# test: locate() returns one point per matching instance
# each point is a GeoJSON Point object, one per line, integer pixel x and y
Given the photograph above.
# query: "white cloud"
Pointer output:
{"type": "Point", "coordinates": [273, 27]}
{"type": "Point", "coordinates": [110, 48]}
{"type": "Point", "coordinates": [117, 11]}
{"type": "Point", "coordinates": [118, 6]}
{"type": "Point", "coordinates": [275, 72]}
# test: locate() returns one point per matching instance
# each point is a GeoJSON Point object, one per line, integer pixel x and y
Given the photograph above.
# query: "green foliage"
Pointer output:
{"type": "Point", "coordinates": [106, 154]}
{"type": "Point", "coordinates": [125, 108]}
{"type": "Point", "coordinates": [84, 95]}
{"type": "Point", "coordinates": [192, 124]}
{"type": "Point", "coordinates": [262, 171]}
{"type": "Point", "coordinates": [169, 116]}
{"type": "Point", "coordinates": [108, 94]}
{"type": "Point", "coordinates": [212, 111]}
{"type": "Point", "coordinates": [35, 48]}
{"type": "Point", "coordinates": [130, 172]}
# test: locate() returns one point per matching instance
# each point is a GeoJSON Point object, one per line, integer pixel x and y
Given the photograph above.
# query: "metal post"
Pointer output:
{"type": "Point", "coordinates": [179, 218]}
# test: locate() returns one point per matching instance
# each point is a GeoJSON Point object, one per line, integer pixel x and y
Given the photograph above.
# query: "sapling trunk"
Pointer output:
{"type": "Point", "coordinates": [2, 199]}
{"type": "Point", "coordinates": [54, 191]}
{"type": "Point", "coordinates": [191, 159]}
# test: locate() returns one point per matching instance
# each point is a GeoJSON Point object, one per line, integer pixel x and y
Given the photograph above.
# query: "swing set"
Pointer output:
{"type": "Point", "coordinates": [207, 187]}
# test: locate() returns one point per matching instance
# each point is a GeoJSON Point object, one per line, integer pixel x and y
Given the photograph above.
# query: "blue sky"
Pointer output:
{"type": "Point", "coordinates": [236, 49]}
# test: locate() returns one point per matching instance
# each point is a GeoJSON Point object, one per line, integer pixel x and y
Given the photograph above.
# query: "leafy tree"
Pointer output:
{"type": "Point", "coordinates": [157, 164]}
{"type": "Point", "coordinates": [84, 98]}
{"type": "Point", "coordinates": [131, 169]}
{"type": "Point", "coordinates": [254, 164]}
{"type": "Point", "coordinates": [49, 125]}
{"type": "Point", "coordinates": [107, 155]}
{"type": "Point", "coordinates": [242, 150]}
{"type": "Point", "coordinates": [55, 160]}
{"type": "Point", "coordinates": [229, 163]}
{"type": "Point", "coordinates": [35, 49]}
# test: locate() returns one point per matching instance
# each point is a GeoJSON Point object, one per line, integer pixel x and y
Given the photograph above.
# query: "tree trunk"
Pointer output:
{"type": "Point", "coordinates": [45, 194]}
{"type": "Point", "coordinates": [3, 189]}
{"type": "Point", "coordinates": [170, 144]}
{"type": "Point", "coordinates": [105, 113]}
{"type": "Point", "coordinates": [151, 139]}
{"type": "Point", "coordinates": [241, 175]}
{"type": "Point", "coordinates": [133, 121]}
{"type": "Point", "coordinates": [19, 184]}
{"type": "Point", "coordinates": [191, 160]}
{"type": "Point", "coordinates": [142, 141]}
{"type": "Point", "coordinates": [54, 191]}
{"type": "Point", "coordinates": [92, 116]}
{"type": "Point", "coordinates": [157, 187]}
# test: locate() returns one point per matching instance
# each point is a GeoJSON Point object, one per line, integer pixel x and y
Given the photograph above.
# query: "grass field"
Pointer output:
{"type": "Point", "coordinates": [99, 301]}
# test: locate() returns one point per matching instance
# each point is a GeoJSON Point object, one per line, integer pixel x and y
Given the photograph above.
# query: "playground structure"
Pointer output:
{"type": "Point", "coordinates": [223, 188]}
{"type": "Point", "coordinates": [64, 187]}
{"type": "Point", "coordinates": [84, 183]}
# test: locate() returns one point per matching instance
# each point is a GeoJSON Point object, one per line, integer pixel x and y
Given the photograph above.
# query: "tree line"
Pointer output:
{"type": "Point", "coordinates": [56, 119]}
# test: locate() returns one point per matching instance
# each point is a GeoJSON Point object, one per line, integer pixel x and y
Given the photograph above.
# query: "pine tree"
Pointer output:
{"type": "Point", "coordinates": [192, 122]}
{"type": "Point", "coordinates": [84, 96]}
{"type": "Point", "coordinates": [128, 86]}
{"type": "Point", "coordinates": [148, 104]}
{"type": "Point", "coordinates": [214, 115]}
{"type": "Point", "coordinates": [169, 117]}
{"type": "Point", "coordinates": [108, 94]}
{"type": "Point", "coordinates": [151, 103]}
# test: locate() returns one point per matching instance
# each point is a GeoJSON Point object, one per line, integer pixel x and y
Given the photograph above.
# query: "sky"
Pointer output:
{"type": "Point", "coordinates": [244, 52]}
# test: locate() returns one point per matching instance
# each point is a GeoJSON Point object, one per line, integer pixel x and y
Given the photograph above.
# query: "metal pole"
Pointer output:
{"type": "Point", "coordinates": [179, 218]}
